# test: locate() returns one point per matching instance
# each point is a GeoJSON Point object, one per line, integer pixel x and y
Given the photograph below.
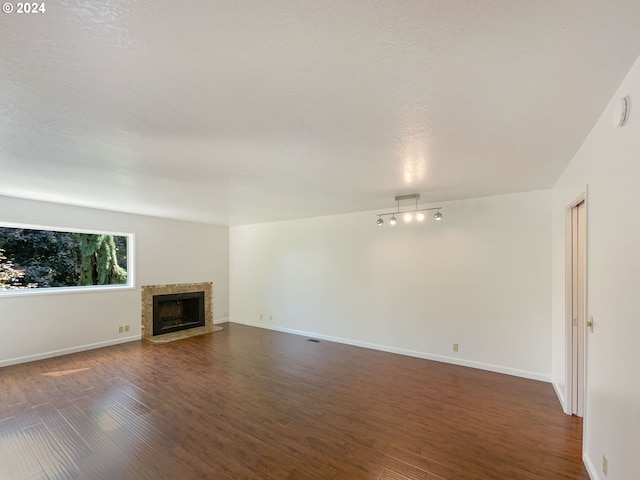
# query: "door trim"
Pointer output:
{"type": "Point", "coordinates": [569, 306]}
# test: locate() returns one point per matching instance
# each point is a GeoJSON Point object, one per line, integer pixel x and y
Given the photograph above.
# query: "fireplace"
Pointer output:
{"type": "Point", "coordinates": [175, 311]}
{"type": "Point", "coordinates": [178, 311]}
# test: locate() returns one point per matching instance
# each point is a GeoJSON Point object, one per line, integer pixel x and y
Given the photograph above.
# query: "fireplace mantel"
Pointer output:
{"type": "Point", "coordinates": [149, 291]}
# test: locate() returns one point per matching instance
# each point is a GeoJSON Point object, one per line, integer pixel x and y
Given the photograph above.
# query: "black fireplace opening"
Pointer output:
{"type": "Point", "coordinates": [177, 311]}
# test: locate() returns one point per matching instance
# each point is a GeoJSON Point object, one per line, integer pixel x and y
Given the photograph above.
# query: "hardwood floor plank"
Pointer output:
{"type": "Point", "coordinates": [49, 415]}
{"type": "Point", "coordinates": [247, 403]}
{"type": "Point", "coordinates": [16, 458]}
{"type": "Point", "coordinates": [23, 415]}
{"type": "Point", "coordinates": [71, 442]}
{"type": "Point", "coordinates": [388, 474]}
{"type": "Point", "coordinates": [39, 476]}
{"type": "Point", "coordinates": [56, 460]}
{"type": "Point", "coordinates": [90, 429]}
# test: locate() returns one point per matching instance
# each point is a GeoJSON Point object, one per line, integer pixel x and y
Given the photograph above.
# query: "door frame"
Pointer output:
{"type": "Point", "coordinates": [569, 305]}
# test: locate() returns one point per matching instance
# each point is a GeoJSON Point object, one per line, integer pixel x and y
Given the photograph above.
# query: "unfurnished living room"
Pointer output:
{"type": "Point", "coordinates": [320, 239]}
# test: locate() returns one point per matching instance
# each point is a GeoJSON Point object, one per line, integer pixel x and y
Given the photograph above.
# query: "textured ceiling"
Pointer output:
{"type": "Point", "coordinates": [235, 112]}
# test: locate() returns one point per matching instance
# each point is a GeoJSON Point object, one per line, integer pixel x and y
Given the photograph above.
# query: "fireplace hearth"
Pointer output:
{"type": "Point", "coordinates": [178, 311]}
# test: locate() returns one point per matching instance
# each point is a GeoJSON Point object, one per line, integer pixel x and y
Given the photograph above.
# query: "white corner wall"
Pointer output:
{"type": "Point", "coordinates": [166, 251]}
{"type": "Point", "coordinates": [480, 278]}
{"type": "Point", "coordinates": [609, 164]}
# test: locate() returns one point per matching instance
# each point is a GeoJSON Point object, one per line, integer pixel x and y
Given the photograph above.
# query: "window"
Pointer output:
{"type": "Point", "coordinates": [35, 259]}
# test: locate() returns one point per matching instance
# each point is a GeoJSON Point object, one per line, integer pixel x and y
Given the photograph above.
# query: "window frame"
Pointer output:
{"type": "Point", "coordinates": [130, 285]}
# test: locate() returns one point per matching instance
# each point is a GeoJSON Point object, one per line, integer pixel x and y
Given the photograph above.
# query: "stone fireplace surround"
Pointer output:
{"type": "Point", "coordinates": [148, 291]}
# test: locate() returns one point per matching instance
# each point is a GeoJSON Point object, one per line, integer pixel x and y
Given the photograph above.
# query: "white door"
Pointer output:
{"type": "Point", "coordinates": [578, 320]}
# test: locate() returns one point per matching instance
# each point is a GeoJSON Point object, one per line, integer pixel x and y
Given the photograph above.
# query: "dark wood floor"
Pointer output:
{"type": "Point", "coordinates": [251, 403]}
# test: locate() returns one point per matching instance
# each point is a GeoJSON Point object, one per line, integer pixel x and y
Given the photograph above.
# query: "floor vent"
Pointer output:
{"type": "Point", "coordinates": [313, 340]}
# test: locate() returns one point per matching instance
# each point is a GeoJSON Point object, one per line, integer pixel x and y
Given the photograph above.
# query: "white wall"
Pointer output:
{"type": "Point", "coordinates": [480, 277]}
{"type": "Point", "coordinates": [166, 251]}
{"type": "Point", "coordinates": [609, 163]}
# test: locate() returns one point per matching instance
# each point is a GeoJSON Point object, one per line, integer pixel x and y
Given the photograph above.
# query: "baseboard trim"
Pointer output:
{"type": "Point", "coordinates": [402, 351]}
{"type": "Point", "coordinates": [81, 348]}
{"type": "Point", "coordinates": [591, 470]}
{"type": "Point", "coordinates": [67, 351]}
{"type": "Point", "coordinates": [561, 398]}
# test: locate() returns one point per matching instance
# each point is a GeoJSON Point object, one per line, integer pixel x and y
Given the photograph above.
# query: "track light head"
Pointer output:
{"type": "Point", "coordinates": [393, 220]}
{"type": "Point", "coordinates": [380, 221]}
{"type": "Point", "coordinates": [420, 216]}
{"type": "Point", "coordinates": [407, 217]}
{"type": "Point", "coordinates": [438, 216]}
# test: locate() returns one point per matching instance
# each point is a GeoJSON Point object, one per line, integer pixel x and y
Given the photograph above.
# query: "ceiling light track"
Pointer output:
{"type": "Point", "coordinates": [408, 216]}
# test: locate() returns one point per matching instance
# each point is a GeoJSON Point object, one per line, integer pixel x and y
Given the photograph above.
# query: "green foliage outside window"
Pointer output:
{"type": "Point", "coordinates": [31, 258]}
{"type": "Point", "coordinates": [10, 277]}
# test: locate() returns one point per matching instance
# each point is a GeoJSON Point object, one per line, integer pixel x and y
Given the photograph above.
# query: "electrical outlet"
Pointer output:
{"type": "Point", "coordinates": [120, 329]}
{"type": "Point", "coordinates": [605, 465]}
{"type": "Point", "coordinates": [126, 328]}
{"type": "Point", "coordinates": [455, 347]}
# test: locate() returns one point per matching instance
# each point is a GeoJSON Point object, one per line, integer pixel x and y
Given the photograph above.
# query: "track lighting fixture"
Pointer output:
{"type": "Point", "coordinates": [409, 215]}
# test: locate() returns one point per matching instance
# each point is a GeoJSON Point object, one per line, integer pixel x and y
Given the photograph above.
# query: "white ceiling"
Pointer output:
{"type": "Point", "coordinates": [235, 112]}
